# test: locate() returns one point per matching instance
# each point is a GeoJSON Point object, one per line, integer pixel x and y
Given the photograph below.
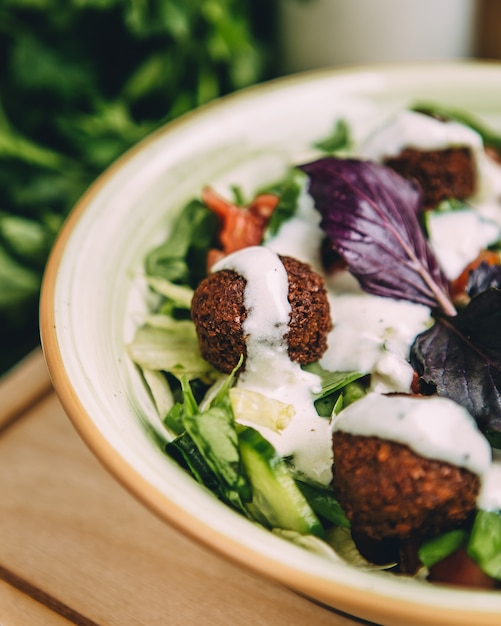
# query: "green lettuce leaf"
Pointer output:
{"type": "Point", "coordinates": [173, 348]}
{"type": "Point", "coordinates": [438, 548]}
{"type": "Point", "coordinates": [484, 545]}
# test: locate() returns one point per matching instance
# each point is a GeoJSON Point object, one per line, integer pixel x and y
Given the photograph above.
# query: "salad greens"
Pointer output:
{"type": "Point", "coordinates": [482, 542]}
{"type": "Point", "coordinates": [370, 215]}
{"type": "Point", "coordinates": [81, 81]}
{"type": "Point", "coordinates": [371, 218]}
{"type": "Point", "coordinates": [288, 190]}
{"type": "Point", "coordinates": [460, 358]}
{"type": "Point", "coordinates": [239, 465]}
{"type": "Point", "coordinates": [338, 389]}
{"type": "Point", "coordinates": [170, 347]}
{"type": "Point", "coordinates": [340, 139]}
{"type": "Point", "coordinates": [214, 433]}
{"type": "Point", "coordinates": [181, 259]}
{"type": "Point", "coordinates": [438, 548]}
{"type": "Point", "coordinates": [234, 461]}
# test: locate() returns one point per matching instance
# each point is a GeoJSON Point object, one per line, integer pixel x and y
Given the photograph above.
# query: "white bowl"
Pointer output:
{"type": "Point", "coordinates": [90, 303]}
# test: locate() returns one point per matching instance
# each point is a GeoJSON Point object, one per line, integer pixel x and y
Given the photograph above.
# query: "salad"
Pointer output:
{"type": "Point", "coordinates": [325, 357]}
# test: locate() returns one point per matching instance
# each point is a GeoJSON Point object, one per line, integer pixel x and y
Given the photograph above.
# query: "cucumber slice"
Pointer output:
{"type": "Point", "coordinates": [276, 500]}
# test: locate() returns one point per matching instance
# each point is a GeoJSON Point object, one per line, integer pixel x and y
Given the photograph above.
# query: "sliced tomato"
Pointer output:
{"type": "Point", "coordinates": [241, 227]}
{"type": "Point", "coordinates": [458, 286]}
{"type": "Point", "coordinates": [460, 569]}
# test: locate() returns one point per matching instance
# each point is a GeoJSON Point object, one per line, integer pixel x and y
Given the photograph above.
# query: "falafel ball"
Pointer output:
{"type": "Point", "coordinates": [218, 311]}
{"type": "Point", "coordinates": [441, 174]}
{"type": "Point", "coordinates": [387, 490]}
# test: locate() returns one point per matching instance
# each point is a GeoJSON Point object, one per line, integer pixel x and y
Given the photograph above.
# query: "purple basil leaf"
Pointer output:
{"type": "Point", "coordinates": [369, 212]}
{"type": "Point", "coordinates": [483, 277]}
{"type": "Point", "coordinates": [461, 358]}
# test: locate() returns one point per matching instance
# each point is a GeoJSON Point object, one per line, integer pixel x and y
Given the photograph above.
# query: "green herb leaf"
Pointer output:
{"type": "Point", "coordinates": [289, 191]}
{"type": "Point", "coordinates": [185, 452]}
{"type": "Point", "coordinates": [182, 258]}
{"type": "Point", "coordinates": [339, 139]}
{"type": "Point", "coordinates": [324, 503]}
{"type": "Point", "coordinates": [338, 389]}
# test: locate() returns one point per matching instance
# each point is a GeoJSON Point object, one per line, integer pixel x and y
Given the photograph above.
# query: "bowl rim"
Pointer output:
{"type": "Point", "coordinates": [346, 598]}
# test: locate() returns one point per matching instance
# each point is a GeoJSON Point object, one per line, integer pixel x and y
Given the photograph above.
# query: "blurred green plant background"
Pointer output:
{"type": "Point", "coordinates": [80, 82]}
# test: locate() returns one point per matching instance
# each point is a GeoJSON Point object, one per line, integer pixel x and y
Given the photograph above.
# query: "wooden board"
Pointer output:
{"type": "Point", "coordinates": [75, 547]}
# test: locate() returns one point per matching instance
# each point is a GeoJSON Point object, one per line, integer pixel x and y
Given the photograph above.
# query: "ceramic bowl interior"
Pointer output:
{"type": "Point", "coordinates": [93, 297]}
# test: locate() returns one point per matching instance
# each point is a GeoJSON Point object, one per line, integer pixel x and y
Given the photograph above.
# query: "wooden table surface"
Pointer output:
{"type": "Point", "coordinates": [75, 547]}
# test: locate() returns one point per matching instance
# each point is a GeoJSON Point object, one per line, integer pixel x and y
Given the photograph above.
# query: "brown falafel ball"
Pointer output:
{"type": "Point", "coordinates": [218, 311]}
{"type": "Point", "coordinates": [387, 490]}
{"type": "Point", "coordinates": [441, 174]}
{"type": "Point", "coordinates": [310, 319]}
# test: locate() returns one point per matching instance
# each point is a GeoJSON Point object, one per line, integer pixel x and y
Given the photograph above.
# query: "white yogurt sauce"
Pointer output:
{"type": "Point", "coordinates": [374, 335]}
{"type": "Point", "coordinates": [456, 238]}
{"type": "Point", "coordinates": [301, 236]}
{"type": "Point", "coordinates": [409, 129]}
{"type": "Point", "coordinates": [487, 198]}
{"type": "Point", "coordinates": [265, 298]}
{"type": "Point", "coordinates": [433, 427]}
{"type": "Point", "coordinates": [489, 498]}
{"type": "Point", "coordinates": [270, 371]}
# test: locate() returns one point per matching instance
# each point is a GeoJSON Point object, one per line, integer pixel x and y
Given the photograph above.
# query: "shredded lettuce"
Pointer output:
{"type": "Point", "coordinates": [160, 390]}
{"type": "Point", "coordinates": [341, 540]}
{"type": "Point", "coordinates": [179, 295]}
{"type": "Point", "coordinates": [171, 349]}
{"type": "Point", "coordinates": [259, 410]}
